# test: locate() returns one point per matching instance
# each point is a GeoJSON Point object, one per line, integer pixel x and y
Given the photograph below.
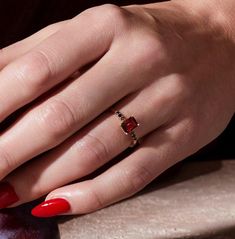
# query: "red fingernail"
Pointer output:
{"type": "Point", "coordinates": [8, 195]}
{"type": "Point", "coordinates": [51, 208]}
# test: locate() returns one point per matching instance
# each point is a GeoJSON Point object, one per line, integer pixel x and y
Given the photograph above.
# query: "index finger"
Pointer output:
{"type": "Point", "coordinates": [52, 61]}
{"type": "Point", "coordinates": [16, 50]}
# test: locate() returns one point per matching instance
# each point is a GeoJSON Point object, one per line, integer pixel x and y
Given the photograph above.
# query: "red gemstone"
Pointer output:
{"type": "Point", "coordinates": [129, 124]}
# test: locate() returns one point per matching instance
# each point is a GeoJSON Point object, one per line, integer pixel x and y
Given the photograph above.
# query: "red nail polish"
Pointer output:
{"type": "Point", "coordinates": [8, 195]}
{"type": "Point", "coordinates": [51, 208]}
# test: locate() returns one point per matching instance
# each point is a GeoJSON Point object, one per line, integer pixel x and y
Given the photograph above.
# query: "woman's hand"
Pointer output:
{"type": "Point", "coordinates": [170, 68]}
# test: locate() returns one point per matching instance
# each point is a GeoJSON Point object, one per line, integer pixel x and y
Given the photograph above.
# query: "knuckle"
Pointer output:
{"type": "Point", "coordinates": [38, 68]}
{"type": "Point", "coordinates": [108, 15]}
{"type": "Point", "coordinates": [184, 132]}
{"type": "Point", "coordinates": [58, 118]}
{"type": "Point", "coordinates": [6, 163]}
{"type": "Point", "coordinates": [94, 200]}
{"type": "Point", "coordinates": [178, 89]}
{"type": "Point", "coordinates": [146, 52]}
{"type": "Point", "coordinates": [136, 178]}
{"type": "Point", "coordinates": [98, 150]}
{"type": "Point", "coordinates": [55, 26]}
{"type": "Point", "coordinates": [36, 187]}
{"type": "Point", "coordinates": [92, 149]}
{"type": "Point", "coordinates": [173, 97]}
{"type": "Point", "coordinates": [112, 11]}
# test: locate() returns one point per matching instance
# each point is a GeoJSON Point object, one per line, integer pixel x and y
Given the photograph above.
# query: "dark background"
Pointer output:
{"type": "Point", "coordinates": [19, 19]}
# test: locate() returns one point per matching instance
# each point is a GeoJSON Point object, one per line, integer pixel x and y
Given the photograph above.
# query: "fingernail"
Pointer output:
{"type": "Point", "coordinates": [8, 195]}
{"type": "Point", "coordinates": [50, 208]}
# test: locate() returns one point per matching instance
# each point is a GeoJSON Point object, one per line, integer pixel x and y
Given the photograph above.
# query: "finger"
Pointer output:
{"type": "Point", "coordinates": [12, 52]}
{"type": "Point", "coordinates": [79, 102]}
{"type": "Point", "coordinates": [90, 148]}
{"type": "Point", "coordinates": [53, 61]}
{"type": "Point", "coordinates": [124, 179]}
{"type": "Point", "coordinates": [74, 105]}
{"type": "Point", "coordinates": [51, 122]}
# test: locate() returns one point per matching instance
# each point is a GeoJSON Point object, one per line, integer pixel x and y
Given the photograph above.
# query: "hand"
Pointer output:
{"type": "Point", "coordinates": [159, 63]}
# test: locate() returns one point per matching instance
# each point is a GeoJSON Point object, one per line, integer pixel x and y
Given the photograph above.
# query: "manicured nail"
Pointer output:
{"type": "Point", "coordinates": [8, 195]}
{"type": "Point", "coordinates": [50, 208]}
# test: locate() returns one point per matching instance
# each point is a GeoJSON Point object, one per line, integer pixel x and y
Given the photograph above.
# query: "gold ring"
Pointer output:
{"type": "Point", "coordinates": [128, 125]}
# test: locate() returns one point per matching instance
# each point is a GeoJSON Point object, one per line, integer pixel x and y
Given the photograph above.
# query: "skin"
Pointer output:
{"type": "Point", "coordinates": [170, 64]}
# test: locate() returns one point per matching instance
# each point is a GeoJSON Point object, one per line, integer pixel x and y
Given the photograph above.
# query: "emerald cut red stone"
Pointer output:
{"type": "Point", "coordinates": [129, 125]}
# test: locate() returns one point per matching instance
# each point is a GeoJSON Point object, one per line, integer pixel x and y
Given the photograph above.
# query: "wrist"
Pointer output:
{"type": "Point", "coordinates": [220, 15]}
{"type": "Point", "coordinates": [216, 13]}
{"type": "Point", "coordinates": [213, 16]}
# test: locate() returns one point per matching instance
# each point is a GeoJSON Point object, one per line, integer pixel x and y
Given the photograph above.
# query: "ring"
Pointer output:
{"type": "Point", "coordinates": [128, 125]}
